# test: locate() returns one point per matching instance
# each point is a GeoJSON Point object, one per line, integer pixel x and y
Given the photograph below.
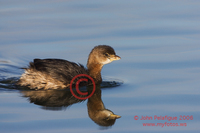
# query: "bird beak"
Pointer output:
{"type": "Point", "coordinates": [115, 57]}
{"type": "Point", "coordinates": [113, 116]}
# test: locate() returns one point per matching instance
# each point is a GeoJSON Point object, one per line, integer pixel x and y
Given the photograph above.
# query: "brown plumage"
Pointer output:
{"type": "Point", "coordinates": [58, 73]}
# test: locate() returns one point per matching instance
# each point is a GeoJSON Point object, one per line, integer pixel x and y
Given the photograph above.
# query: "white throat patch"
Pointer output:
{"type": "Point", "coordinates": [107, 61]}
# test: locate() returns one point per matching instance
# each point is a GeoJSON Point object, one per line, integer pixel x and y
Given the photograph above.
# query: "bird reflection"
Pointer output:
{"type": "Point", "coordinates": [51, 99]}
{"type": "Point", "coordinates": [61, 99]}
{"type": "Point", "coordinates": [97, 111]}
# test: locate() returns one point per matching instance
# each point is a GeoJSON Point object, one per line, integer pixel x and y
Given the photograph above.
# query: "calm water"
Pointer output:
{"type": "Point", "coordinates": [158, 41]}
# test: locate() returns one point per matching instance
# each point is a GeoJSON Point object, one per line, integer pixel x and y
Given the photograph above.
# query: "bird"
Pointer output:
{"type": "Point", "coordinates": [58, 73]}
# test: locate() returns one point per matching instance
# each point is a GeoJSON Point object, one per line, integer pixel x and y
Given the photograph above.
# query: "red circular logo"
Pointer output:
{"type": "Point", "coordinates": [77, 86]}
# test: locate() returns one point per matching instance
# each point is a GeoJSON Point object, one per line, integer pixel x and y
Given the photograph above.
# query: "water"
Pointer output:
{"type": "Point", "coordinates": [158, 42]}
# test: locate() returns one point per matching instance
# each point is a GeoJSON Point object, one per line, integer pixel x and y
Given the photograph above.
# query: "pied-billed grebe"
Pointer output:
{"type": "Point", "coordinates": [57, 73]}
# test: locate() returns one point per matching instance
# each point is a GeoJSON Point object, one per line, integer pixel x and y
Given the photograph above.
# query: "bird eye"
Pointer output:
{"type": "Point", "coordinates": [106, 54]}
{"type": "Point", "coordinates": [107, 118]}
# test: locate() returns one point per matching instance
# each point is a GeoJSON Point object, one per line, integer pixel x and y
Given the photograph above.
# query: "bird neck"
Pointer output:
{"type": "Point", "coordinates": [94, 70]}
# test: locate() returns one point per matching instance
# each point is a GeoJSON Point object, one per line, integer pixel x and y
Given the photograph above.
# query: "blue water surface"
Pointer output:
{"type": "Point", "coordinates": [158, 42]}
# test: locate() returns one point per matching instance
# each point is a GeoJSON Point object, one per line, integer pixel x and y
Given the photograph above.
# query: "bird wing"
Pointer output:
{"type": "Point", "coordinates": [62, 70]}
